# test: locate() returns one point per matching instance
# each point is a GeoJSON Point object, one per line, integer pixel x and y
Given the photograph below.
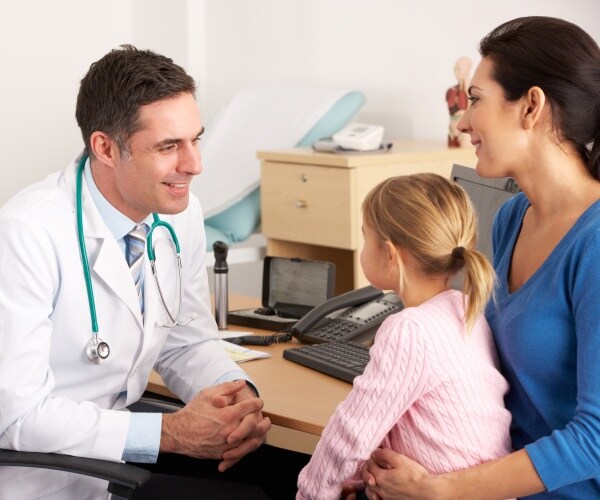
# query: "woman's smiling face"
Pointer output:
{"type": "Point", "coordinates": [493, 123]}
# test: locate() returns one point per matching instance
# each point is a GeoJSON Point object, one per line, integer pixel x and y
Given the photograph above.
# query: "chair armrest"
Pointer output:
{"type": "Point", "coordinates": [156, 403]}
{"type": "Point", "coordinates": [123, 478]}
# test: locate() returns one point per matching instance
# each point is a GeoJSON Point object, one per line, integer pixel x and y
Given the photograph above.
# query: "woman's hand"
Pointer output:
{"type": "Point", "coordinates": [388, 474]}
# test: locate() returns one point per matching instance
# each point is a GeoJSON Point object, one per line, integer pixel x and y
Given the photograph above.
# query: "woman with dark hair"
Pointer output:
{"type": "Point", "coordinates": [535, 116]}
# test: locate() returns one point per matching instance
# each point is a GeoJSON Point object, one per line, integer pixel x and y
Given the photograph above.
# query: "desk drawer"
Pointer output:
{"type": "Point", "coordinates": [308, 204]}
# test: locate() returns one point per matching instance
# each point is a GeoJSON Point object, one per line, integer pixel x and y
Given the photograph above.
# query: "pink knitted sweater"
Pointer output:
{"type": "Point", "coordinates": [431, 391]}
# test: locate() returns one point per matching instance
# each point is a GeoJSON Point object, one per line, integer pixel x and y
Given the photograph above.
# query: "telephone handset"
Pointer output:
{"type": "Point", "coordinates": [352, 315]}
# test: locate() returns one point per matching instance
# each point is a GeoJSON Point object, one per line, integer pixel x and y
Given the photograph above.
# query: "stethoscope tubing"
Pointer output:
{"type": "Point", "coordinates": [85, 263]}
{"type": "Point", "coordinates": [92, 346]}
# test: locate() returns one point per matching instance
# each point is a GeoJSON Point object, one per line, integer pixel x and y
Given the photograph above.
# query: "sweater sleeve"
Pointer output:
{"type": "Point", "coordinates": [572, 454]}
{"type": "Point", "coordinates": [392, 381]}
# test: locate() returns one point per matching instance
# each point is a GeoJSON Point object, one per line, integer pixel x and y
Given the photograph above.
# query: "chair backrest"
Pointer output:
{"type": "Point", "coordinates": [487, 195]}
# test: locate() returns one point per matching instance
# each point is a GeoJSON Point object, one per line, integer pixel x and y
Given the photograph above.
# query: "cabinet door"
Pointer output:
{"type": "Point", "coordinates": [309, 204]}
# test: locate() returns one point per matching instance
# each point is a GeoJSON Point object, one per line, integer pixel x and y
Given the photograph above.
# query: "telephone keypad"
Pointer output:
{"type": "Point", "coordinates": [339, 319]}
{"type": "Point", "coordinates": [335, 330]}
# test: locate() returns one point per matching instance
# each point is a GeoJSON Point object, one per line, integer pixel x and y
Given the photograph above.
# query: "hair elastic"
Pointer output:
{"type": "Point", "coordinates": [458, 253]}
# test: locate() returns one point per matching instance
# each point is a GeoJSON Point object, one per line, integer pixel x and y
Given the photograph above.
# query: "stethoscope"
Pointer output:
{"type": "Point", "coordinates": [96, 349]}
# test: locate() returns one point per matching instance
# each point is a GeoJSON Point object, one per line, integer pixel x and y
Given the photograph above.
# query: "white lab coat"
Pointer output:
{"type": "Point", "coordinates": [52, 399]}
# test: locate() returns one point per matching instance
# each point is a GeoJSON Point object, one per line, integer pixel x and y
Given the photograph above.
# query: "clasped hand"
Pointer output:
{"type": "Point", "coordinates": [223, 422]}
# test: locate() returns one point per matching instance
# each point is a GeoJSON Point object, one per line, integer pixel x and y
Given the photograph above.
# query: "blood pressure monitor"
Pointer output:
{"type": "Point", "coordinates": [359, 137]}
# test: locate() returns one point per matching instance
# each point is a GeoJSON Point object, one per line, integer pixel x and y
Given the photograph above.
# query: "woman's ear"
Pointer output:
{"type": "Point", "coordinates": [533, 109]}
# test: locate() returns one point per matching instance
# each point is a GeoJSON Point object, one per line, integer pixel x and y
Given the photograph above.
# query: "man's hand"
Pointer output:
{"type": "Point", "coordinates": [388, 474]}
{"type": "Point", "coordinates": [226, 417]}
{"type": "Point", "coordinates": [249, 435]}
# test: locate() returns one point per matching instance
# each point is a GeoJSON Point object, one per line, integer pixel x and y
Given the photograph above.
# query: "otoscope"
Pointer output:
{"type": "Point", "coordinates": [221, 290]}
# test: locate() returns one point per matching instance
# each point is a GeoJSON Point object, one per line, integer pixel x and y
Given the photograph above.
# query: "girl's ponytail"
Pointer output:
{"type": "Point", "coordinates": [478, 284]}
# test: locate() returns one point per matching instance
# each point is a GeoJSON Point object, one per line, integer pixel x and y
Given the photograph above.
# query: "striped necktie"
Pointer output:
{"type": "Point", "coordinates": [135, 243]}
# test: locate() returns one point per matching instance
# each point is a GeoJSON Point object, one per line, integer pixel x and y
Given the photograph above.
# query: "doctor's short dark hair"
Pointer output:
{"type": "Point", "coordinates": [118, 84]}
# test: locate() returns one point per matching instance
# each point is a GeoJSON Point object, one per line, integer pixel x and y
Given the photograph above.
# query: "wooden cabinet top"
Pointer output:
{"type": "Point", "coordinates": [402, 151]}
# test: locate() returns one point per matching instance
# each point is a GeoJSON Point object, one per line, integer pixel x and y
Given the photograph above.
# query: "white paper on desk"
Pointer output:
{"type": "Point", "coordinates": [239, 353]}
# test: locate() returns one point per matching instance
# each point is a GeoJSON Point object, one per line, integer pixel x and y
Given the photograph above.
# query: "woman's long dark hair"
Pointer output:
{"type": "Point", "coordinates": [561, 59]}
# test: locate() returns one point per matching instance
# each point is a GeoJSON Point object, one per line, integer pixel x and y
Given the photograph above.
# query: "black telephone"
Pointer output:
{"type": "Point", "coordinates": [352, 315]}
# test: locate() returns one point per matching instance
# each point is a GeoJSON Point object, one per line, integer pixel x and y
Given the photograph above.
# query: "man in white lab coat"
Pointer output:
{"type": "Point", "coordinates": [141, 128]}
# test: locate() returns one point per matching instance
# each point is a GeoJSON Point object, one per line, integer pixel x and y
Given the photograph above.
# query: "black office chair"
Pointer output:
{"type": "Point", "coordinates": [122, 478]}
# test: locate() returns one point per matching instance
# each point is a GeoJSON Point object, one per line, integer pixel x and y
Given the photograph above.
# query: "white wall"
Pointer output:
{"type": "Point", "coordinates": [399, 52]}
{"type": "Point", "coordinates": [45, 49]}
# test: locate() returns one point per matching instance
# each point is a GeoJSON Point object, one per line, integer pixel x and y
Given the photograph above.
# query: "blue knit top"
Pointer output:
{"type": "Point", "coordinates": [548, 337]}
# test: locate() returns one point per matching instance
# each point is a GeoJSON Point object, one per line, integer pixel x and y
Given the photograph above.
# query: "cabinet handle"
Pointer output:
{"type": "Point", "coordinates": [300, 203]}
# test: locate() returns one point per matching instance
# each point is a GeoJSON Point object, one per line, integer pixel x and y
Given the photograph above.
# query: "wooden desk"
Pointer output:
{"type": "Point", "coordinates": [311, 201]}
{"type": "Point", "coordinates": [298, 400]}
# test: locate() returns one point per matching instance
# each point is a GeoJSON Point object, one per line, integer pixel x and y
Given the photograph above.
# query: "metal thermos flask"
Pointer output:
{"type": "Point", "coordinates": [221, 289]}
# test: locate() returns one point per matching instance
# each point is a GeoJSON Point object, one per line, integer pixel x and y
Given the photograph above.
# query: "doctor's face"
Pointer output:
{"type": "Point", "coordinates": [163, 159]}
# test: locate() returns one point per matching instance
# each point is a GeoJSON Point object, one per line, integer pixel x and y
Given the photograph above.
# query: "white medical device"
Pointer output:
{"type": "Point", "coordinates": [359, 137]}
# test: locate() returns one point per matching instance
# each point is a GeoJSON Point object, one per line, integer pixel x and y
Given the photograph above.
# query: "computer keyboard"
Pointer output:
{"type": "Point", "coordinates": [341, 359]}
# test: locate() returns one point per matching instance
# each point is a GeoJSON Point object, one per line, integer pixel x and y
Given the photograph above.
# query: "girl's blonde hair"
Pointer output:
{"type": "Point", "coordinates": [433, 219]}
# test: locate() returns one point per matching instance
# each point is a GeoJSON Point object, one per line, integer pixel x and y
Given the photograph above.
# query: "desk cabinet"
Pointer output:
{"type": "Point", "coordinates": [311, 202]}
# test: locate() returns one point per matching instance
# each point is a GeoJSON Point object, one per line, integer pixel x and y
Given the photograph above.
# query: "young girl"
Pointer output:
{"type": "Point", "coordinates": [432, 388]}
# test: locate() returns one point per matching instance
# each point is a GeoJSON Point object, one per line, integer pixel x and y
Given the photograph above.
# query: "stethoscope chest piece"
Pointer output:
{"type": "Point", "coordinates": [97, 350]}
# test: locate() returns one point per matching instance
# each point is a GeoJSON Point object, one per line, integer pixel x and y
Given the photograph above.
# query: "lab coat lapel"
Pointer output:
{"type": "Point", "coordinates": [150, 295]}
{"type": "Point", "coordinates": [110, 266]}
{"type": "Point", "coordinates": [153, 317]}
{"type": "Point", "coordinates": [106, 259]}
{"type": "Point", "coordinates": [149, 337]}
